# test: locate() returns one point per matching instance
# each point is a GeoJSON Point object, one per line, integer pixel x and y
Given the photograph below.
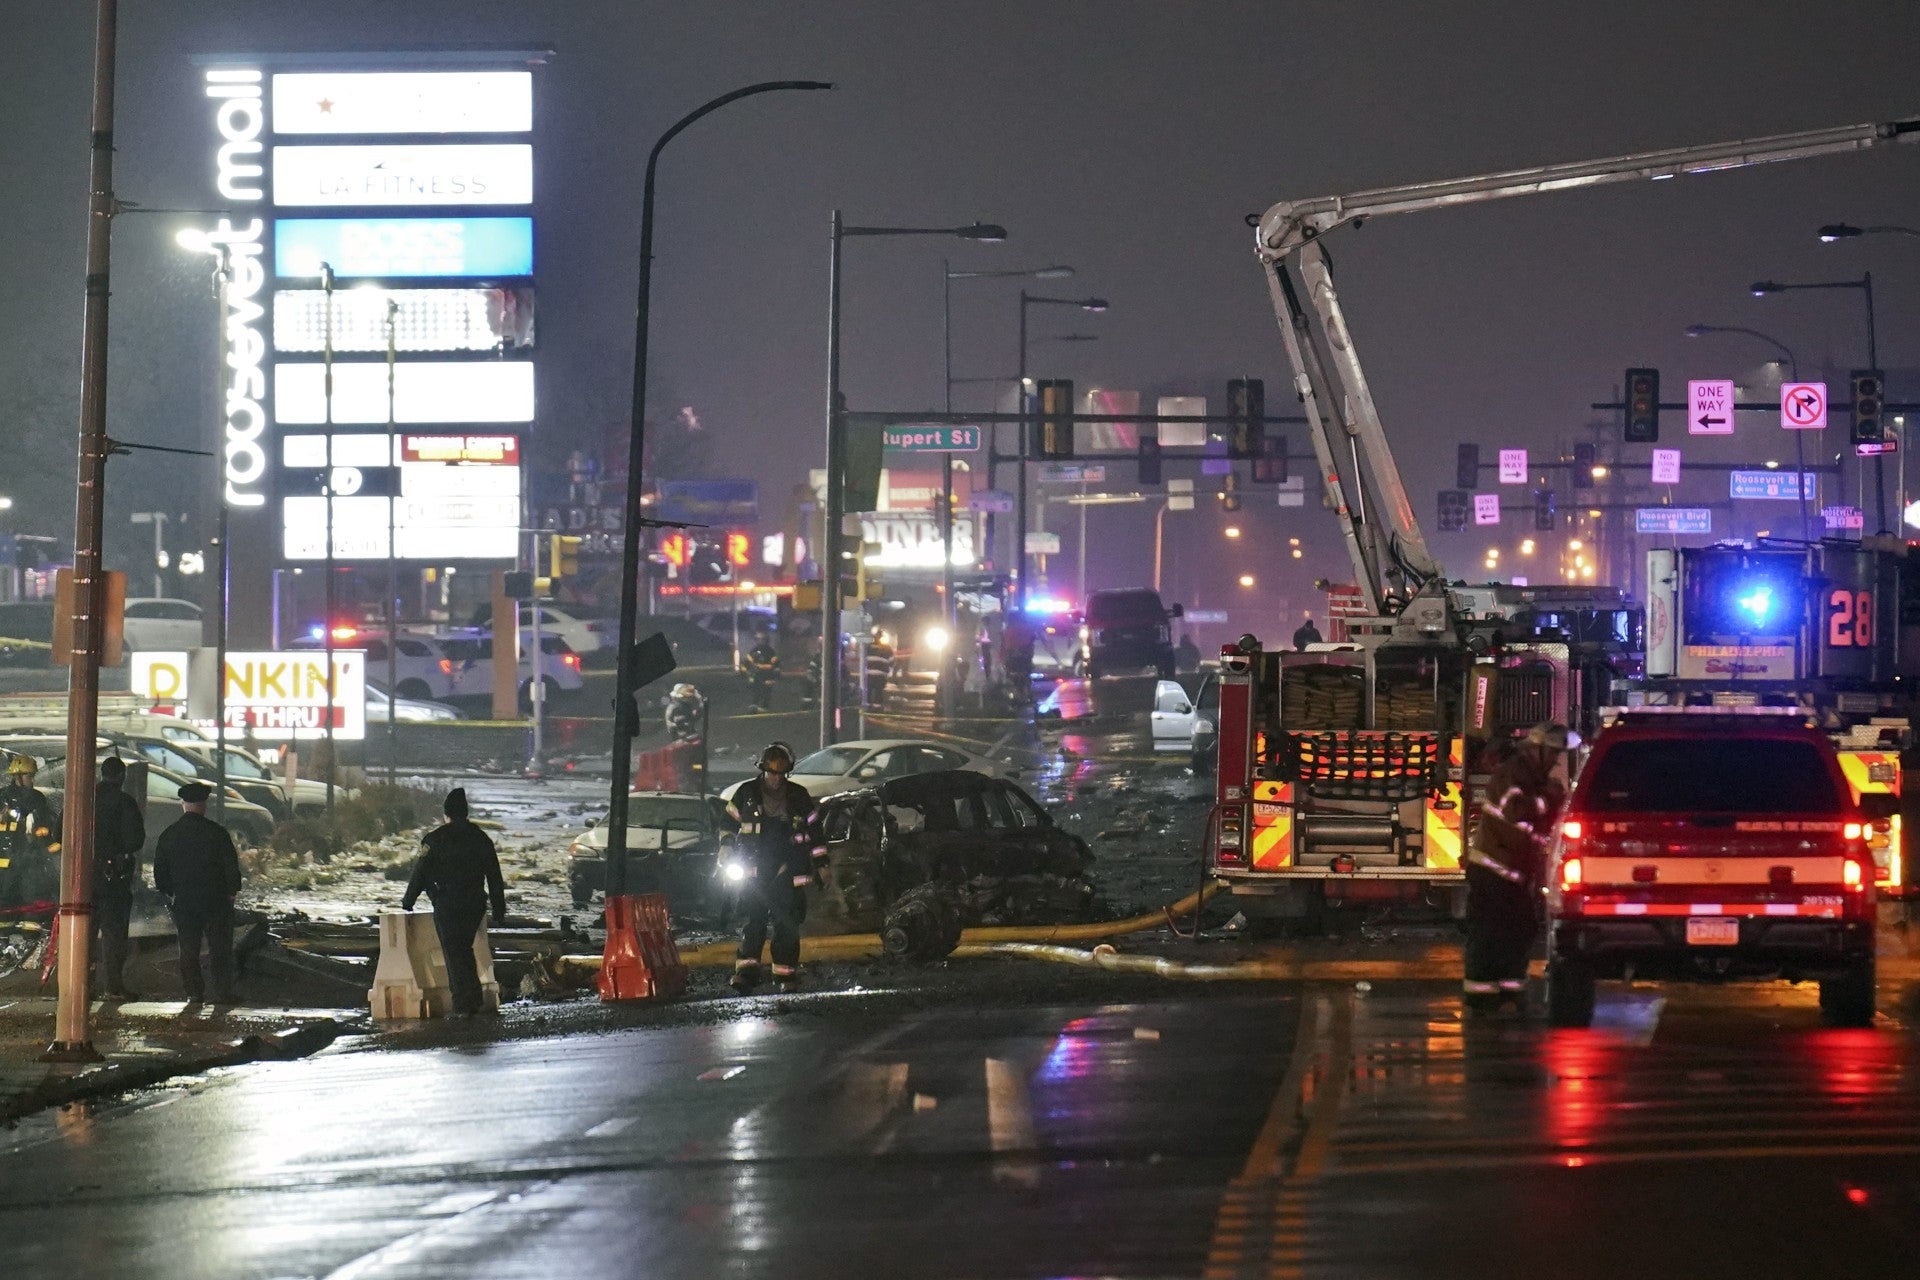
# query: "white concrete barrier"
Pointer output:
{"type": "Point", "coordinates": [410, 980]}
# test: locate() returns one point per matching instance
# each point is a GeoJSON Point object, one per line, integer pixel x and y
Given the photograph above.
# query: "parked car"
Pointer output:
{"type": "Point", "coordinates": [673, 846]}
{"type": "Point", "coordinates": [1187, 722]}
{"type": "Point", "coordinates": [381, 704]}
{"type": "Point", "coordinates": [254, 785]}
{"type": "Point", "coordinates": [421, 668]}
{"type": "Point", "coordinates": [847, 766]}
{"type": "Point", "coordinates": [158, 622]}
{"type": "Point", "coordinates": [308, 796]}
{"type": "Point", "coordinates": [583, 635]}
{"type": "Point", "coordinates": [471, 651]}
{"type": "Point", "coordinates": [250, 823]}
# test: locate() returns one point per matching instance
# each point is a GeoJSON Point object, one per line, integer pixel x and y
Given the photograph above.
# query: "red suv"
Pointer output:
{"type": "Point", "coordinates": [1706, 844]}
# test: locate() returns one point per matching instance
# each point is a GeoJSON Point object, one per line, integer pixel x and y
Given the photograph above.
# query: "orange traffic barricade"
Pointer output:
{"type": "Point", "coordinates": [641, 961]}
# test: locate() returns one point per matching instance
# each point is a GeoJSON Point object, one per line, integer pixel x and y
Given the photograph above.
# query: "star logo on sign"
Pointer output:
{"type": "Point", "coordinates": [326, 106]}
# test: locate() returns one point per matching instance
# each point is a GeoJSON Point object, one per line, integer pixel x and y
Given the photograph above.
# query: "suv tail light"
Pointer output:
{"type": "Point", "coordinates": [1853, 831]}
{"type": "Point", "coordinates": [446, 666]}
{"type": "Point", "coordinates": [1854, 876]}
{"type": "Point", "coordinates": [1571, 873]}
{"type": "Point", "coordinates": [1572, 829]}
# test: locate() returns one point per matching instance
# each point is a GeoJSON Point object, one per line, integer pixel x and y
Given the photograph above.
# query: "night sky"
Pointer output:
{"type": "Point", "coordinates": [1127, 138]}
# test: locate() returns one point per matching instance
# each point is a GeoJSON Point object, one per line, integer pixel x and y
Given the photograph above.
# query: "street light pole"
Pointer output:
{"type": "Point", "coordinates": [1020, 532]}
{"type": "Point", "coordinates": [393, 551]}
{"type": "Point", "coordinates": [75, 920]}
{"type": "Point", "coordinates": [326, 489]}
{"type": "Point", "coordinates": [835, 504]}
{"type": "Point", "coordinates": [626, 715]}
{"type": "Point", "coordinates": [1762, 288]}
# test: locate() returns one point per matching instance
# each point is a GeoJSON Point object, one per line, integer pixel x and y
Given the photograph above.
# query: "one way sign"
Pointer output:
{"type": "Point", "coordinates": [1710, 407]}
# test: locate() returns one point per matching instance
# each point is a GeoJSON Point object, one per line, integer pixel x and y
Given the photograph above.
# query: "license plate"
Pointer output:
{"type": "Point", "coordinates": [1713, 931]}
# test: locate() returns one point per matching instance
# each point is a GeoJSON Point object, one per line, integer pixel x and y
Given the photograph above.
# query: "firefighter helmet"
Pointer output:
{"type": "Point", "coordinates": [22, 765]}
{"type": "Point", "coordinates": [1555, 737]}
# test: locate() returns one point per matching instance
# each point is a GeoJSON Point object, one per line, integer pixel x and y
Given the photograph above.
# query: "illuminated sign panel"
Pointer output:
{"type": "Point", "coordinates": [423, 319]}
{"type": "Point", "coordinates": [434, 527]}
{"type": "Point", "coordinates": [403, 247]}
{"type": "Point", "coordinates": [239, 121]}
{"type": "Point", "coordinates": [270, 695]}
{"type": "Point", "coordinates": [911, 540]}
{"type": "Point", "coordinates": [423, 392]}
{"type": "Point", "coordinates": [495, 450]}
{"type": "Point", "coordinates": [381, 174]}
{"type": "Point", "coordinates": [403, 102]}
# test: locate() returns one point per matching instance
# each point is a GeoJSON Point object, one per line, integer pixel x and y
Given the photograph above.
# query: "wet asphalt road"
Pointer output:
{"type": "Point", "coordinates": [1269, 1132]}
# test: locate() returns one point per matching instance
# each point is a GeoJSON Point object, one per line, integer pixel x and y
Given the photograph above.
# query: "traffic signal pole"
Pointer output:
{"type": "Point", "coordinates": [71, 1040]}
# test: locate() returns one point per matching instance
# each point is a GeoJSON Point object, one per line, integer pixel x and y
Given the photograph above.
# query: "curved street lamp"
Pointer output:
{"type": "Point", "coordinates": [626, 715]}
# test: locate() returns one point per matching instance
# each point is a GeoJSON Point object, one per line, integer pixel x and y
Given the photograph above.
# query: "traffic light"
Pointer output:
{"type": "Point", "coordinates": [1453, 510]}
{"type": "Point", "coordinates": [1868, 426]}
{"type": "Point", "coordinates": [1584, 461]}
{"type": "Point", "coordinates": [564, 556]}
{"type": "Point", "coordinates": [1271, 468]}
{"type": "Point", "coordinates": [1054, 434]}
{"type": "Point", "coordinates": [1466, 467]}
{"type": "Point", "coordinates": [1246, 418]}
{"type": "Point", "coordinates": [1543, 510]}
{"type": "Point", "coordinates": [1643, 406]}
{"type": "Point", "coordinates": [1230, 492]}
{"type": "Point", "coordinates": [1149, 460]}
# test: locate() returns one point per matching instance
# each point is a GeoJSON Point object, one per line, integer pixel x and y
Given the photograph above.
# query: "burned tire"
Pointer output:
{"type": "Point", "coordinates": [922, 925]}
{"type": "Point", "coordinates": [1848, 1001]}
{"type": "Point", "coordinates": [1570, 992]}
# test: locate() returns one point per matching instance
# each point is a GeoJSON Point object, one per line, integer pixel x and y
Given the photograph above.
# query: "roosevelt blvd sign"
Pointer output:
{"type": "Point", "coordinates": [1673, 520]}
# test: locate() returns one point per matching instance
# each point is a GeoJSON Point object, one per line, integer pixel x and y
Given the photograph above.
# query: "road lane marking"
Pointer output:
{"type": "Point", "coordinates": [1010, 1123]}
{"type": "Point", "coordinates": [1261, 1225]}
{"type": "Point", "coordinates": [608, 1128]}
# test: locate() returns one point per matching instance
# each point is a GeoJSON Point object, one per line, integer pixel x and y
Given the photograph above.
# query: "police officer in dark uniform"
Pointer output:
{"type": "Point", "coordinates": [459, 871]}
{"type": "Point", "coordinates": [880, 657]}
{"type": "Point", "coordinates": [771, 821]}
{"type": "Point", "coordinates": [119, 832]}
{"type": "Point", "coordinates": [197, 870]}
{"type": "Point", "coordinates": [1507, 862]}
{"type": "Point", "coordinates": [762, 667]}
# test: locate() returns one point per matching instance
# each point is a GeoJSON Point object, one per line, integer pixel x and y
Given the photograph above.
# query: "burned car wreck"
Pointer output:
{"type": "Point", "coordinates": [921, 857]}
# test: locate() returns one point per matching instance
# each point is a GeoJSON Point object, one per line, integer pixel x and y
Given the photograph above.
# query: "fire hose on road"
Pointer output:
{"type": "Point", "coordinates": [973, 942]}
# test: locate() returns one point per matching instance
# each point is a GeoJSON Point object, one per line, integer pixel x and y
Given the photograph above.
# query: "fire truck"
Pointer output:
{"type": "Point", "coordinates": [1820, 627]}
{"type": "Point", "coordinates": [1346, 772]}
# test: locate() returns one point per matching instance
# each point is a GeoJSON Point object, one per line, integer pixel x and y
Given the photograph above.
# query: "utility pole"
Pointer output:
{"type": "Point", "coordinates": [393, 550]}
{"type": "Point", "coordinates": [326, 489]}
{"type": "Point", "coordinates": [71, 1041]}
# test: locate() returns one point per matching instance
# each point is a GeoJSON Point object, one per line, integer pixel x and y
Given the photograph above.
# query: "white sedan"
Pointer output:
{"type": "Point", "coordinates": [848, 766]}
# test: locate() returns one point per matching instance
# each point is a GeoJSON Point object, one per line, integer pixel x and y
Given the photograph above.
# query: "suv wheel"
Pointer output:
{"type": "Point", "coordinates": [1848, 1001]}
{"type": "Point", "coordinates": [1570, 992]}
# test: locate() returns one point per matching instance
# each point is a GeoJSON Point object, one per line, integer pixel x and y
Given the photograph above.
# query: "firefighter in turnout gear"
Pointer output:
{"type": "Point", "coordinates": [770, 821]}
{"type": "Point", "coordinates": [29, 839]}
{"type": "Point", "coordinates": [1506, 863]}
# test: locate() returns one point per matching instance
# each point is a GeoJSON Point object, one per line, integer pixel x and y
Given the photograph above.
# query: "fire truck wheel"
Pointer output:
{"type": "Point", "coordinates": [1848, 1001]}
{"type": "Point", "coordinates": [1570, 992]}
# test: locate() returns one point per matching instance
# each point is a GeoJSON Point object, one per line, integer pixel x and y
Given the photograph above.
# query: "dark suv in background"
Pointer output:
{"type": "Point", "coordinates": [1128, 630]}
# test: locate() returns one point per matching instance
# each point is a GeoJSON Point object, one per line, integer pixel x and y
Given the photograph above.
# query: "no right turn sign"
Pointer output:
{"type": "Point", "coordinates": [1803, 406]}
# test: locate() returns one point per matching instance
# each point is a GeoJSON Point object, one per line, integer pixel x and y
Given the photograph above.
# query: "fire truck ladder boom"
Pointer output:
{"type": "Point", "coordinates": [1326, 368]}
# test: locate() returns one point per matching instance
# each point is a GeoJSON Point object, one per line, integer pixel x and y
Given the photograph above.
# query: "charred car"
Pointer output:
{"type": "Point", "coordinates": [918, 858]}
